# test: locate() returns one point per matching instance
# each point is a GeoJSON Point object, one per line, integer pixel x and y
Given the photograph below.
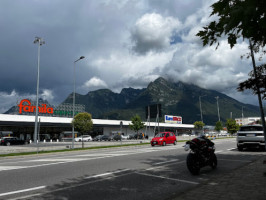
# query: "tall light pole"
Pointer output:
{"type": "Point", "coordinates": [73, 129]}
{"type": "Point", "coordinates": [201, 116]}
{"type": "Point", "coordinates": [218, 108]}
{"type": "Point", "coordinates": [40, 42]}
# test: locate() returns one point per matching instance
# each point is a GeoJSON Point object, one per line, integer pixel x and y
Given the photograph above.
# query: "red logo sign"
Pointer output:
{"type": "Point", "coordinates": [29, 108]}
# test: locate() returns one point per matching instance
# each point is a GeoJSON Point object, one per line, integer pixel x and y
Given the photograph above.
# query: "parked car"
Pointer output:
{"type": "Point", "coordinates": [97, 138]}
{"type": "Point", "coordinates": [124, 137]}
{"type": "Point", "coordinates": [104, 138]}
{"type": "Point", "coordinates": [117, 137]}
{"type": "Point", "coordinates": [111, 137]}
{"type": "Point", "coordinates": [12, 141]}
{"type": "Point", "coordinates": [85, 138]}
{"type": "Point", "coordinates": [164, 138]}
{"type": "Point", "coordinates": [131, 137]}
{"type": "Point", "coordinates": [250, 136]}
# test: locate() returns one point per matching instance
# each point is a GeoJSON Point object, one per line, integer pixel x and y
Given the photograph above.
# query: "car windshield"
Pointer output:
{"type": "Point", "coordinates": [160, 135]}
{"type": "Point", "coordinates": [251, 128]}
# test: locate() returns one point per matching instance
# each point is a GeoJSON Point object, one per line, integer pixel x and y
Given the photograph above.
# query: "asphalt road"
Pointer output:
{"type": "Point", "coordinates": [141, 172]}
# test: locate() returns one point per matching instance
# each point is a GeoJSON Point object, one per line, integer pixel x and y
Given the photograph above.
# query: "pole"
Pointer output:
{"type": "Point", "coordinates": [258, 91]}
{"type": "Point", "coordinates": [73, 107]}
{"type": "Point", "coordinates": [218, 108]}
{"type": "Point", "coordinates": [200, 109]}
{"type": "Point", "coordinates": [73, 129]}
{"type": "Point", "coordinates": [40, 42]}
{"type": "Point", "coordinates": [158, 114]}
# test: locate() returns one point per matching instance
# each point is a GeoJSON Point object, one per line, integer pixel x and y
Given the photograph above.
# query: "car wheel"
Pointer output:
{"type": "Point", "coordinates": [240, 148]}
{"type": "Point", "coordinates": [8, 144]}
{"type": "Point", "coordinates": [174, 142]}
{"type": "Point", "coordinates": [164, 143]}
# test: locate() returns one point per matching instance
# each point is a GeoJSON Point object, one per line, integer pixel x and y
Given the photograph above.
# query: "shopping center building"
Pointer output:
{"type": "Point", "coordinates": [22, 126]}
{"type": "Point", "coordinates": [55, 123]}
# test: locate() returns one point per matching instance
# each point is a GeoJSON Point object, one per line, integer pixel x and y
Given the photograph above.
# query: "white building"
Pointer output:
{"type": "Point", "coordinates": [23, 126]}
{"type": "Point", "coordinates": [247, 120]}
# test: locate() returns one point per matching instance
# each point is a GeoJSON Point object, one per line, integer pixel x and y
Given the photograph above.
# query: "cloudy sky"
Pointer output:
{"type": "Point", "coordinates": [126, 43]}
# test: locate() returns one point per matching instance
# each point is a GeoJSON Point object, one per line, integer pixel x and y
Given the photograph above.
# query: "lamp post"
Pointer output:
{"type": "Point", "coordinates": [200, 107]}
{"type": "Point", "coordinates": [218, 108]}
{"type": "Point", "coordinates": [73, 129]}
{"type": "Point", "coordinates": [40, 42]}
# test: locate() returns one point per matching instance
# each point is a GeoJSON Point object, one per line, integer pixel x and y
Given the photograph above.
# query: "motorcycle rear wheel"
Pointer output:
{"type": "Point", "coordinates": [213, 163]}
{"type": "Point", "coordinates": [193, 164]}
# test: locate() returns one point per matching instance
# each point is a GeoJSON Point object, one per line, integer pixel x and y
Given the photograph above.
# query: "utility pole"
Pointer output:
{"type": "Point", "coordinates": [218, 108]}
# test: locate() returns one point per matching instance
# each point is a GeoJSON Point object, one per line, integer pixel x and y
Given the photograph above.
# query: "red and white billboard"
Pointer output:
{"type": "Point", "coordinates": [173, 119]}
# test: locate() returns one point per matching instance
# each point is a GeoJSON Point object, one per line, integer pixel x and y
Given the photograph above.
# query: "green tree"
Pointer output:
{"type": "Point", "coordinates": [218, 126]}
{"type": "Point", "coordinates": [136, 123]}
{"type": "Point", "coordinates": [236, 19]}
{"type": "Point", "coordinates": [82, 123]}
{"type": "Point", "coordinates": [232, 126]}
{"type": "Point", "coordinates": [198, 125]}
{"type": "Point", "coordinates": [250, 84]}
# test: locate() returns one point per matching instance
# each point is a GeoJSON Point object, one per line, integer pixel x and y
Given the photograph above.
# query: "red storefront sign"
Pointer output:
{"type": "Point", "coordinates": [29, 108]}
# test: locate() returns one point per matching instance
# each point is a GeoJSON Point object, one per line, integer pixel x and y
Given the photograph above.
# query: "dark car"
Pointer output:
{"type": "Point", "coordinates": [97, 138]}
{"type": "Point", "coordinates": [104, 138]}
{"type": "Point", "coordinates": [117, 137]}
{"type": "Point", "coordinates": [12, 141]}
{"type": "Point", "coordinates": [131, 137]}
{"type": "Point", "coordinates": [111, 137]}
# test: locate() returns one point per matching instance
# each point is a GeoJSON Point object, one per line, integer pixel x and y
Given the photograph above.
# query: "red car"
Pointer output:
{"type": "Point", "coordinates": [164, 138]}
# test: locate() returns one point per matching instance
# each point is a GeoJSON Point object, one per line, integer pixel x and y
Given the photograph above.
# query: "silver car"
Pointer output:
{"type": "Point", "coordinates": [250, 136]}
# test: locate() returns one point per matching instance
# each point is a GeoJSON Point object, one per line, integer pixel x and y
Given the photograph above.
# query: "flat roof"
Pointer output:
{"type": "Point", "coordinates": [65, 120]}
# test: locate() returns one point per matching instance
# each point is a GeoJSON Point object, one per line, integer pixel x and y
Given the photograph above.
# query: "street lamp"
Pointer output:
{"type": "Point", "coordinates": [40, 42]}
{"type": "Point", "coordinates": [73, 129]}
{"type": "Point", "coordinates": [218, 107]}
{"type": "Point", "coordinates": [200, 107]}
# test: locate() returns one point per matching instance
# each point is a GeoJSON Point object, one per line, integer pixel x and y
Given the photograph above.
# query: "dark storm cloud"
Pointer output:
{"type": "Point", "coordinates": [126, 43]}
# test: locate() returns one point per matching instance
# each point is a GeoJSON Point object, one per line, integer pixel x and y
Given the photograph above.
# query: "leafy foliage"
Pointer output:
{"type": "Point", "coordinates": [232, 126]}
{"type": "Point", "coordinates": [237, 18]}
{"type": "Point", "coordinates": [137, 124]}
{"type": "Point", "coordinates": [83, 122]}
{"type": "Point", "coordinates": [198, 125]}
{"type": "Point", "coordinates": [218, 126]}
{"type": "Point", "coordinates": [253, 82]}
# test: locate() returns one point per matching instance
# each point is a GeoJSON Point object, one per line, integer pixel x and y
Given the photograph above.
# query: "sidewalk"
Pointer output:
{"type": "Point", "coordinates": [245, 183]}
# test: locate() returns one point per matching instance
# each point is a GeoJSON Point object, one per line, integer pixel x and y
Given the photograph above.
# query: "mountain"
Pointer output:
{"type": "Point", "coordinates": [177, 99]}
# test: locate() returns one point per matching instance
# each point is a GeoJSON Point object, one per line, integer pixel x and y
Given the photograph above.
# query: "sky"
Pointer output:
{"type": "Point", "coordinates": [126, 43]}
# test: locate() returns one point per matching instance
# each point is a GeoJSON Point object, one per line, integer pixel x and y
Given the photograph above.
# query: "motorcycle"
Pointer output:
{"type": "Point", "coordinates": [201, 154]}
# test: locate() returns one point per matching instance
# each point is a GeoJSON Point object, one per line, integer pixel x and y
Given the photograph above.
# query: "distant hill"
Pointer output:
{"type": "Point", "coordinates": [178, 99]}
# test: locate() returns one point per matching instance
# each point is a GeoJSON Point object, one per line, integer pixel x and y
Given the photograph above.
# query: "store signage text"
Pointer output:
{"type": "Point", "coordinates": [173, 119]}
{"type": "Point", "coordinates": [29, 108]}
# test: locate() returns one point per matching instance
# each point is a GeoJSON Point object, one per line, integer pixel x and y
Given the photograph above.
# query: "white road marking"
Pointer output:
{"type": "Point", "coordinates": [237, 160]}
{"type": "Point", "coordinates": [166, 161]}
{"type": "Point", "coordinates": [152, 168]}
{"type": "Point", "coordinates": [107, 174]}
{"type": "Point", "coordinates": [21, 191]}
{"type": "Point", "coordinates": [172, 179]}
